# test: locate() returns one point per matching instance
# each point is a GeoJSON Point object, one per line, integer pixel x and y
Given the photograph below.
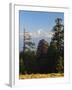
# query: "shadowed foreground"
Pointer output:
{"type": "Point", "coordinates": [51, 75]}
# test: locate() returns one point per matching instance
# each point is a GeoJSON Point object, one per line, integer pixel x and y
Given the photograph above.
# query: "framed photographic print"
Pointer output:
{"type": "Point", "coordinates": [39, 46]}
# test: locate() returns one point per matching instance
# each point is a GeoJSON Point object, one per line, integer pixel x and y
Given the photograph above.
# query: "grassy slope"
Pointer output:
{"type": "Point", "coordinates": [51, 75]}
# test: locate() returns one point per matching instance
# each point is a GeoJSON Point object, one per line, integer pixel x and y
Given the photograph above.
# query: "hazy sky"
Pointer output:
{"type": "Point", "coordinates": [38, 24]}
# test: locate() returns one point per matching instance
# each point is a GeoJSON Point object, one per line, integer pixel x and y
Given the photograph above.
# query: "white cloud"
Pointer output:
{"type": "Point", "coordinates": [39, 33]}
{"type": "Point", "coordinates": [42, 33]}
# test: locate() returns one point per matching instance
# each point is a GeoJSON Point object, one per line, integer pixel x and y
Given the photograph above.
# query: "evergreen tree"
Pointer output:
{"type": "Point", "coordinates": [58, 37]}
{"type": "Point", "coordinates": [42, 61]}
{"type": "Point", "coordinates": [28, 44]}
{"type": "Point", "coordinates": [58, 41]}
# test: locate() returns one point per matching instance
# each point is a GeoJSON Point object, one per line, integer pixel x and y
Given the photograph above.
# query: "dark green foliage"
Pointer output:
{"type": "Point", "coordinates": [58, 41]}
{"type": "Point", "coordinates": [21, 63]}
{"type": "Point", "coordinates": [28, 61]}
{"type": "Point", "coordinates": [60, 65]}
{"type": "Point", "coordinates": [58, 37]}
{"type": "Point", "coordinates": [42, 47]}
{"type": "Point", "coordinates": [42, 58]}
{"type": "Point", "coordinates": [52, 58]}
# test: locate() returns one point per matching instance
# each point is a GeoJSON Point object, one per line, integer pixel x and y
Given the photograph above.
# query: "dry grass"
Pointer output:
{"type": "Point", "coordinates": [51, 75]}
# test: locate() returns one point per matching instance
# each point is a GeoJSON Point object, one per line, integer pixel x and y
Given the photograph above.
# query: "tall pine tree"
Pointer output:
{"type": "Point", "coordinates": [58, 37]}
{"type": "Point", "coordinates": [58, 42]}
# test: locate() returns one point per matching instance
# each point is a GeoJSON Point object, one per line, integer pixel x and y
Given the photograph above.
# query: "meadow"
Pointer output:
{"type": "Point", "coordinates": [31, 76]}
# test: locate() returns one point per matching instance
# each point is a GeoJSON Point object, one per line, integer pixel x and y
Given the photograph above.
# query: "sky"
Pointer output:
{"type": "Point", "coordinates": [38, 24]}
